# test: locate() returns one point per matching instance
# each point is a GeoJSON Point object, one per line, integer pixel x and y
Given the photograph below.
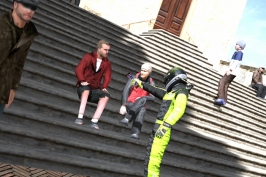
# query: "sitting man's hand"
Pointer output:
{"type": "Point", "coordinates": [136, 82]}
{"type": "Point", "coordinates": [228, 73]}
{"type": "Point", "coordinates": [11, 98]}
{"type": "Point", "coordinates": [161, 131]}
{"type": "Point", "coordinates": [123, 110]}
{"type": "Point", "coordinates": [84, 83]}
{"type": "Point", "coordinates": [105, 90]}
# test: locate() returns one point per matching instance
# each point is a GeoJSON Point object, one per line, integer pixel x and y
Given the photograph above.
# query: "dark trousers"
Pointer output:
{"type": "Point", "coordinates": [136, 112]}
{"type": "Point", "coordinates": [224, 85]}
{"type": "Point", "coordinates": [2, 107]}
{"type": "Point", "coordinates": [261, 90]}
{"type": "Point", "coordinates": [75, 2]}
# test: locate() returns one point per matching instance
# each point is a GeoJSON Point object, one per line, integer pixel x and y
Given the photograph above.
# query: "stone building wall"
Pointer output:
{"type": "Point", "coordinates": [211, 25]}
{"type": "Point", "coordinates": [135, 15]}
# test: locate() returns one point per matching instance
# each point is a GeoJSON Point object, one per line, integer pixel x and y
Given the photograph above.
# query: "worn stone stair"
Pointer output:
{"type": "Point", "coordinates": [38, 130]}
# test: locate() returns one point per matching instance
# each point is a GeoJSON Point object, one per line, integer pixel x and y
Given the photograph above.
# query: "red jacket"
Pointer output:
{"type": "Point", "coordinates": [135, 93]}
{"type": "Point", "coordinates": [85, 71]}
{"type": "Point", "coordinates": [130, 93]}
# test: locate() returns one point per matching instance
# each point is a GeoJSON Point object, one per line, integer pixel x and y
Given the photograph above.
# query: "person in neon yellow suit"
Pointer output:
{"type": "Point", "coordinates": [175, 97]}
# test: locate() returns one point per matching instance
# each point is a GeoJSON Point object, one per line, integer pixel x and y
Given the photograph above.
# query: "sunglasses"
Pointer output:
{"type": "Point", "coordinates": [29, 6]}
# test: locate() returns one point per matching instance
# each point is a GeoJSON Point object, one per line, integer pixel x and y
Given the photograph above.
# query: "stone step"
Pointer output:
{"type": "Point", "coordinates": [175, 47]}
{"type": "Point", "coordinates": [52, 55]}
{"type": "Point", "coordinates": [71, 133]}
{"type": "Point", "coordinates": [44, 159]}
{"type": "Point", "coordinates": [122, 84]}
{"type": "Point", "coordinates": [82, 19]}
{"type": "Point", "coordinates": [54, 143]}
{"type": "Point", "coordinates": [43, 89]}
{"type": "Point", "coordinates": [113, 102]}
{"type": "Point", "coordinates": [57, 144]}
{"type": "Point", "coordinates": [95, 32]}
{"type": "Point", "coordinates": [145, 125]}
{"type": "Point", "coordinates": [213, 107]}
{"type": "Point", "coordinates": [231, 114]}
{"type": "Point", "coordinates": [208, 93]}
{"type": "Point", "coordinates": [166, 33]}
{"type": "Point", "coordinates": [225, 137]}
{"type": "Point", "coordinates": [199, 109]}
{"type": "Point", "coordinates": [240, 89]}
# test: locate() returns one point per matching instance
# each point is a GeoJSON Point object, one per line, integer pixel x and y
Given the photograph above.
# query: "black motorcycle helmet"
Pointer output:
{"type": "Point", "coordinates": [174, 76]}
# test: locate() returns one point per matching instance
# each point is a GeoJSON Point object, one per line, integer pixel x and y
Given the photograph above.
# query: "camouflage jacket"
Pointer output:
{"type": "Point", "coordinates": [13, 54]}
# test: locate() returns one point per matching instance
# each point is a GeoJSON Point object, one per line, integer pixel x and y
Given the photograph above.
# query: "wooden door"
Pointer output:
{"type": "Point", "coordinates": [172, 15]}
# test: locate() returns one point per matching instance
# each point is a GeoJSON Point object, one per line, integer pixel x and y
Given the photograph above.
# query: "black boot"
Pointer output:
{"type": "Point", "coordinates": [135, 133]}
{"type": "Point", "coordinates": [124, 121]}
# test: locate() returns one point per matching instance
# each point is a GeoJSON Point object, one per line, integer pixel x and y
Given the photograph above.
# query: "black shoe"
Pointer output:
{"type": "Point", "coordinates": [94, 126]}
{"type": "Point", "coordinates": [79, 121]}
{"type": "Point", "coordinates": [124, 121]}
{"type": "Point", "coordinates": [135, 133]}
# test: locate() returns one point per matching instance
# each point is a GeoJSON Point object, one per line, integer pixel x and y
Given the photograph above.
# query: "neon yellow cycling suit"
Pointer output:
{"type": "Point", "coordinates": [172, 109]}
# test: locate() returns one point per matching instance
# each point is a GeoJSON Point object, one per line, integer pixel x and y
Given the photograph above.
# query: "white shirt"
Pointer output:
{"type": "Point", "coordinates": [235, 62]}
{"type": "Point", "coordinates": [98, 64]}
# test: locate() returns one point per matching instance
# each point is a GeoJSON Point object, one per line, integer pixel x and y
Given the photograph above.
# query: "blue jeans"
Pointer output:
{"type": "Point", "coordinates": [2, 106]}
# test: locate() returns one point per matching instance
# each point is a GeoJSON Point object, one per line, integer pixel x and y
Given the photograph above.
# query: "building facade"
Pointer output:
{"type": "Point", "coordinates": [211, 25]}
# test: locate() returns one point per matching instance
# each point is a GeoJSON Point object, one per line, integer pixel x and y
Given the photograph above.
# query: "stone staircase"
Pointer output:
{"type": "Point", "coordinates": [38, 130]}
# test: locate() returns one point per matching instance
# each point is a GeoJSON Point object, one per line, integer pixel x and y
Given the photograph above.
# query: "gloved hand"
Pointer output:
{"type": "Point", "coordinates": [161, 131]}
{"type": "Point", "coordinates": [135, 82]}
{"type": "Point", "coordinates": [123, 110]}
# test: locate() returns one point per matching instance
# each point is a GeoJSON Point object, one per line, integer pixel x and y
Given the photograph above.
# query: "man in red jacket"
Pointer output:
{"type": "Point", "coordinates": [94, 67]}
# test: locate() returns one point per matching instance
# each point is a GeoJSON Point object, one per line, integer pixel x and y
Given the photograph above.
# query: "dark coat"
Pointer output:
{"type": "Point", "coordinates": [13, 54]}
{"type": "Point", "coordinates": [257, 77]}
{"type": "Point", "coordinates": [86, 71]}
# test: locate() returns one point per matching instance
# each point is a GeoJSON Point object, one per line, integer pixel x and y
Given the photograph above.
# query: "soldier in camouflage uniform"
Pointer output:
{"type": "Point", "coordinates": [16, 36]}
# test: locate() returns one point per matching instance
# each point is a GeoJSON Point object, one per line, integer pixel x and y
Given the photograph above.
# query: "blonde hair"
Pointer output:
{"type": "Point", "coordinates": [101, 42]}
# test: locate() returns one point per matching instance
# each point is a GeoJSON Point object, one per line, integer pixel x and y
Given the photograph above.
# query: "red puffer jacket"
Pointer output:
{"type": "Point", "coordinates": [130, 93]}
